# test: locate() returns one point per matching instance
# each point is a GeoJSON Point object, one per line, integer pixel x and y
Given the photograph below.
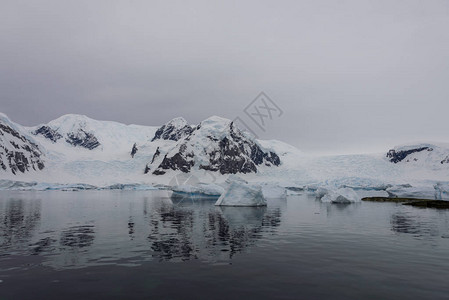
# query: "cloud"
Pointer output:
{"type": "Point", "coordinates": [350, 75]}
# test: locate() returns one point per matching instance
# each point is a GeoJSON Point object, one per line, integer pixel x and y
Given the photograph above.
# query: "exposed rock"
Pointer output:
{"type": "Point", "coordinates": [48, 133]}
{"type": "Point", "coordinates": [446, 160]}
{"type": "Point", "coordinates": [389, 199]}
{"type": "Point", "coordinates": [425, 203]}
{"type": "Point", "coordinates": [134, 150]}
{"type": "Point", "coordinates": [18, 153]}
{"type": "Point", "coordinates": [148, 166]}
{"type": "Point", "coordinates": [397, 156]}
{"type": "Point", "coordinates": [82, 139]}
{"type": "Point", "coordinates": [440, 204]}
{"type": "Point", "coordinates": [156, 155]}
{"type": "Point", "coordinates": [173, 130]}
{"type": "Point", "coordinates": [224, 148]}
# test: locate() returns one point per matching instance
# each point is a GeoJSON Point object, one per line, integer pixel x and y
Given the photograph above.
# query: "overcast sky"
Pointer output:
{"type": "Point", "coordinates": [349, 76]}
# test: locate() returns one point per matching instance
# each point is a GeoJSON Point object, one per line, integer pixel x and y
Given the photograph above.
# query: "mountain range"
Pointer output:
{"type": "Point", "coordinates": [75, 148]}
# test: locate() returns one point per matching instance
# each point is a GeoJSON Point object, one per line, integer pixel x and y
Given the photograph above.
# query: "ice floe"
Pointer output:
{"type": "Point", "coordinates": [241, 193]}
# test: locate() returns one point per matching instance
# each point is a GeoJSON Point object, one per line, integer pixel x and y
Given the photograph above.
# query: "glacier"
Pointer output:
{"type": "Point", "coordinates": [75, 152]}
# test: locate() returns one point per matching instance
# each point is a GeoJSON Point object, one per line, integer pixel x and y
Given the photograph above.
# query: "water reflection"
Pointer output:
{"type": "Point", "coordinates": [19, 218]}
{"type": "Point", "coordinates": [78, 236]}
{"type": "Point", "coordinates": [75, 230]}
{"type": "Point", "coordinates": [200, 230]}
{"type": "Point", "coordinates": [407, 222]}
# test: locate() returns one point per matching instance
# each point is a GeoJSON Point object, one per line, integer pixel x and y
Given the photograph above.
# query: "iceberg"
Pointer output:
{"type": "Point", "coordinates": [421, 192]}
{"type": "Point", "coordinates": [274, 192]}
{"type": "Point", "coordinates": [343, 195]}
{"type": "Point", "coordinates": [241, 193]}
{"type": "Point", "coordinates": [201, 189]}
{"type": "Point", "coordinates": [441, 191]}
{"type": "Point", "coordinates": [320, 192]}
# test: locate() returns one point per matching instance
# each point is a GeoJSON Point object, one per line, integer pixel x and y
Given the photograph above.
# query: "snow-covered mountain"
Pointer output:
{"type": "Point", "coordinates": [76, 148]}
{"type": "Point", "coordinates": [422, 155]}
{"type": "Point", "coordinates": [217, 145]}
{"type": "Point", "coordinates": [173, 130]}
{"type": "Point", "coordinates": [18, 151]}
{"type": "Point", "coordinates": [78, 133]}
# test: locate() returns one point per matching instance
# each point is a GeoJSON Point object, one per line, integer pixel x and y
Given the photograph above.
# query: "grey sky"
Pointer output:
{"type": "Point", "coordinates": [349, 75]}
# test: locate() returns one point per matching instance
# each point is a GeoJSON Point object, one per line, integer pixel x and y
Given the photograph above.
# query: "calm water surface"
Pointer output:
{"type": "Point", "coordinates": [143, 245]}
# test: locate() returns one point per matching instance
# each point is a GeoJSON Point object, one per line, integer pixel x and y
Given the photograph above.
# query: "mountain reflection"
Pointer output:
{"type": "Point", "coordinates": [73, 230]}
{"type": "Point", "coordinates": [183, 232]}
{"type": "Point", "coordinates": [404, 222]}
{"type": "Point", "coordinates": [19, 219]}
{"type": "Point", "coordinates": [78, 236]}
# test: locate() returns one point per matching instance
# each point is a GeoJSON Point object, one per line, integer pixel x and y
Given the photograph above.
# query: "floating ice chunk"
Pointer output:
{"type": "Point", "coordinates": [129, 187]}
{"type": "Point", "coordinates": [274, 192]}
{"type": "Point", "coordinates": [343, 195]}
{"type": "Point", "coordinates": [408, 191]}
{"type": "Point", "coordinates": [240, 193]}
{"type": "Point", "coordinates": [209, 189]}
{"type": "Point", "coordinates": [441, 191]}
{"type": "Point", "coordinates": [320, 192]}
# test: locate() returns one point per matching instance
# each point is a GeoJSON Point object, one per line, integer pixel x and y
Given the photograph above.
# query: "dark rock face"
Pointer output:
{"type": "Point", "coordinates": [179, 161]}
{"type": "Point", "coordinates": [446, 160]}
{"type": "Point", "coordinates": [17, 152]}
{"type": "Point", "coordinates": [48, 133]}
{"type": "Point", "coordinates": [82, 139]}
{"type": "Point", "coordinates": [172, 132]}
{"type": "Point", "coordinates": [134, 150]}
{"type": "Point", "coordinates": [155, 155]}
{"type": "Point", "coordinates": [228, 153]}
{"type": "Point", "coordinates": [397, 156]}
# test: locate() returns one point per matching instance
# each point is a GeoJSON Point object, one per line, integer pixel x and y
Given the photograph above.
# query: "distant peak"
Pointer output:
{"type": "Point", "coordinates": [178, 122]}
{"type": "Point", "coordinates": [215, 123]}
{"type": "Point", "coordinates": [216, 119]}
{"type": "Point", "coordinates": [4, 117]}
{"type": "Point", "coordinates": [72, 117]}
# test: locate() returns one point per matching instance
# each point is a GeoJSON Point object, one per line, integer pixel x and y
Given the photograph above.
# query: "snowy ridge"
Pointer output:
{"type": "Point", "coordinates": [216, 145]}
{"type": "Point", "coordinates": [434, 156]}
{"type": "Point", "coordinates": [209, 151]}
{"type": "Point", "coordinates": [19, 153]}
{"type": "Point", "coordinates": [173, 130]}
{"type": "Point", "coordinates": [81, 150]}
{"type": "Point", "coordinates": [112, 137]}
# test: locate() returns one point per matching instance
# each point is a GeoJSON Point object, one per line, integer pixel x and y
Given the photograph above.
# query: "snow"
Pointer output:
{"type": "Point", "coordinates": [110, 164]}
{"type": "Point", "coordinates": [178, 123]}
{"type": "Point", "coordinates": [200, 189]}
{"type": "Point", "coordinates": [343, 195]}
{"type": "Point", "coordinates": [436, 192]}
{"type": "Point", "coordinates": [426, 160]}
{"type": "Point", "coordinates": [43, 186]}
{"type": "Point", "coordinates": [116, 139]}
{"type": "Point", "coordinates": [321, 191]}
{"type": "Point", "coordinates": [240, 193]}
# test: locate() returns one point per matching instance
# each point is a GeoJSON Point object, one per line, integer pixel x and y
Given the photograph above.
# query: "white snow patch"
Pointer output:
{"type": "Point", "coordinates": [209, 189]}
